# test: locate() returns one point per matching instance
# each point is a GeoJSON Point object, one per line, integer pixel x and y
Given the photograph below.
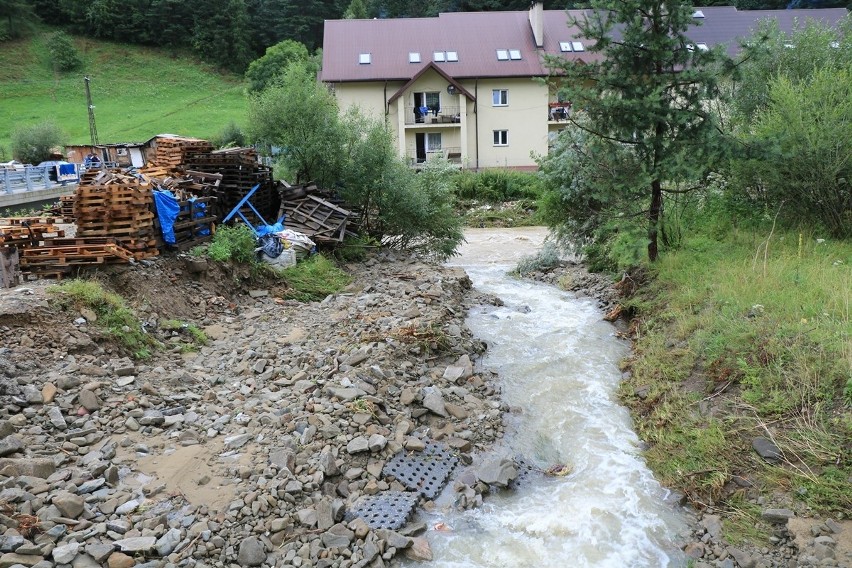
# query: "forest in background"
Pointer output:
{"type": "Point", "coordinates": [232, 33]}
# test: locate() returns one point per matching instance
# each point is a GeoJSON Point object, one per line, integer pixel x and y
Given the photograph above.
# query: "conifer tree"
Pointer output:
{"type": "Point", "coordinates": [645, 88]}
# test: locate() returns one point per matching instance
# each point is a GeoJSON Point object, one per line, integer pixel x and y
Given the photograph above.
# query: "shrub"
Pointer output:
{"type": "Point", "coordinates": [548, 257]}
{"type": "Point", "coordinates": [497, 185]}
{"type": "Point", "coordinates": [231, 136]}
{"type": "Point", "coordinates": [63, 54]}
{"type": "Point", "coordinates": [236, 243]}
{"type": "Point", "coordinates": [313, 279]}
{"type": "Point", "coordinates": [35, 143]}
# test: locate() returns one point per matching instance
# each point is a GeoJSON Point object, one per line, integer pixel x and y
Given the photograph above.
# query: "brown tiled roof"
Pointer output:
{"type": "Point", "coordinates": [476, 37]}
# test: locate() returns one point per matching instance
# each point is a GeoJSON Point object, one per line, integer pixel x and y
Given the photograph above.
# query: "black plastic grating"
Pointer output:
{"type": "Point", "coordinates": [527, 473]}
{"type": "Point", "coordinates": [425, 472]}
{"type": "Point", "coordinates": [387, 510]}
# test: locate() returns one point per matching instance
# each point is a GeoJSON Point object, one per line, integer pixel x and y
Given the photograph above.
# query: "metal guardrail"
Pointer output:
{"type": "Point", "coordinates": [27, 178]}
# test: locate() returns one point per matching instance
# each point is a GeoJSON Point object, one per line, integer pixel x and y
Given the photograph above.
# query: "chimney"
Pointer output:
{"type": "Point", "coordinates": [537, 23]}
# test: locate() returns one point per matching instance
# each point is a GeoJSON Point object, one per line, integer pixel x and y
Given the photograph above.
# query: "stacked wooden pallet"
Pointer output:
{"type": "Point", "coordinates": [24, 232]}
{"type": "Point", "coordinates": [240, 172]}
{"type": "Point", "coordinates": [116, 205]}
{"type": "Point", "coordinates": [66, 208]}
{"type": "Point", "coordinates": [60, 256]}
{"type": "Point", "coordinates": [170, 153]}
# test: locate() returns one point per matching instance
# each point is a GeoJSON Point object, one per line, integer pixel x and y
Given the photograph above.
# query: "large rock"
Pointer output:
{"type": "Point", "coordinates": [65, 553]}
{"type": "Point", "coordinates": [70, 505]}
{"type": "Point", "coordinates": [136, 544]}
{"type": "Point", "coordinates": [777, 516]}
{"type": "Point", "coordinates": [434, 402]}
{"type": "Point", "coordinates": [337, 536]}
{"type": "Point", "coordinates": [496, 470]}
{"type": "Point", "coordinates": [419, 550]}
{"type": "Point", "coordinates": [89, 400]}
{"type": "Point", "coordinates": [120, 560]}
{"type": "Point", "coordinates": [357, 445]}
{"type": "Point", "coordinates": [10, 444]}
{"type": "Point", "coordinates": [12, 558]}
{"type": "Point", "coordinates": [251, 552]}
{"type": "Point", "coordinates": [766, 449]}
{"type": "Point", "coordinates": [167, 543]}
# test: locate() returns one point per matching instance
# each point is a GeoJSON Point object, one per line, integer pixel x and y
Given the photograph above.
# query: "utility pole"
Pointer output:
{"type": "Point", "coordinates": [93, 130]}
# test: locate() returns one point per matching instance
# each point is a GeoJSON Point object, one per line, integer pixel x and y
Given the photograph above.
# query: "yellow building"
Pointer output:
{"type": "Point", "coordinates": [468, 86]}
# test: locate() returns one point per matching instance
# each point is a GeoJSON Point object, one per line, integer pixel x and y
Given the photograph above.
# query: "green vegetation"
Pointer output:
{"type": "Point", "coordinates": [546, 259]}
{"type": "Point", "coordinates": [138, 92]}
{"type": "Point", "coordinates": [113, 315]}
{"type": "Point", "coordinates": [195, 335]}
{"type": "Point", "coordinates": [63, 52]}
{"type": "Point", "coordinates": [758, 329]}
{"type": "Point", "coordinates": [264, 71]}
{"type": "Point", "coordinates": [313, 279]}
{"type": "Point", "coordinates": [233, 243]}
{"type": "Point", "coordinates": [35, 143]}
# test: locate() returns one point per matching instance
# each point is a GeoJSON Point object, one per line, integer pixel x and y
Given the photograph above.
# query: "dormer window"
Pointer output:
{"type": "Point", "coordinates": [414, 57]}
{"type": "Point", "coordinates": [364, 59]}
{"type": "Point", "coordinates": [502, 55]}
{"type": "Point", "coordinates": [439, 56]}
{"type": "Point", "coordinates": [698, 14]}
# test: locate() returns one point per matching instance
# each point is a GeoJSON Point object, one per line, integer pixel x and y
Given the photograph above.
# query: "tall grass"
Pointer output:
{"type": "Point", "coordinates": [759, 329]}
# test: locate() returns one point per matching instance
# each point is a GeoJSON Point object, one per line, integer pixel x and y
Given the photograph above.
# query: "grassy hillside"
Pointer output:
{"type": "Point", "coordinates": [137, 92]}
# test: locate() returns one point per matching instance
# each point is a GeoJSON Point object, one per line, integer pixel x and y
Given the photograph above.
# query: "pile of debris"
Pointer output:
{"type": "Point", "coordinates": [309, 210]}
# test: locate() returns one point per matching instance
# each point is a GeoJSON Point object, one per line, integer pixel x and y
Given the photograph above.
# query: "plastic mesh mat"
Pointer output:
{"type": "Point", "coordinates": [425, 472]}
{"type": "Point", "coordinates": [387, 510]}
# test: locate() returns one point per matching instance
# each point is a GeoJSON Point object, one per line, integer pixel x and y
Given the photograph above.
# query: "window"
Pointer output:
{"type": "Point", "coordinates": [698, 14]}
{"type": "Point", "coordinates": [578, 46]}
{"type": "Point", "coordinates": [433, 142]}
{"type": "Point", "coordinates": [501, 137]}
{"type": "Point", "coordinates": [564, 46]}
{"type": "Point", "coordinates": [514, 54]}
{"type": "Point", "coordinates": [452, 56]}
{"type": "Point", "coordinates": [439, 56]}
{"type": "Point", "coordinates": [426, 103]}
{"type": "Point", "coordinates": [414, 57]}
{"type": "Point", "coordinates": [500, 97]}
{"type": "Point", "coordinates": [702, 47]}
{"type": "Point", "coordinates": [502, 55]}
{"type": "Point", "coordinates": [364, 59]}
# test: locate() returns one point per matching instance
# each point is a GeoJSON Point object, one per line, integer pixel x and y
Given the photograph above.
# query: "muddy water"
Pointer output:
{"type": "Point", "coordinates": [558, 365]}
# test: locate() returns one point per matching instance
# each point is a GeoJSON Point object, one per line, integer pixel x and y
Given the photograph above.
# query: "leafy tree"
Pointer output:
{"type": "Point", "coordinates": [299, 116]}
{"type": "Point", "coordinates": [770, 52]}
{"type": "Point", "coordinates": [63, 54]}
{"type": "Point", "coordinates": [801, 162]}
{"type": "Point", "coordinates": [647, 95]}
{"type": "Point", "coordinates": [357, 10]}
{"type": "Point", "coordinates": [18, 16]}
{"type": "Point", "coordinates": [35, 143]}
{"type": "Point", "coordinates": [231, 136]}
{"type": "Point", "coordinates": [263, 71]}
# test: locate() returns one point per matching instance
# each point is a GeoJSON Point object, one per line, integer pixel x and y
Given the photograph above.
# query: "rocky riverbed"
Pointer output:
{"type": "Point", "coordinates": [252, 450]}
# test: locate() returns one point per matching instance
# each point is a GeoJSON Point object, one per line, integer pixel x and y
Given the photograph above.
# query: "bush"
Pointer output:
{"type": "Point", "coordinates": [37, 142]}
{"type": "Point", "coordinates": [313, 279]}
{"type": "Point", "coordinates": [63, 54]}
{"type": "Point", "coordinates": [230, 137]}
{"type": "Point", "coordinates": [497, 186]}
{"type": "Point", "coordinates": [235, 243]}
{"type": "Point", "coordinates": [548, 257]}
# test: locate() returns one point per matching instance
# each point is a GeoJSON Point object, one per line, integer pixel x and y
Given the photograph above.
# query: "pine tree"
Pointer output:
{"type": "Point", "coordinates": [645, 88]}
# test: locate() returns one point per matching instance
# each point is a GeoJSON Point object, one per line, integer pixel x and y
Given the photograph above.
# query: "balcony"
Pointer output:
{"type": "Point", "coordinates": [450, 153]}
{"type": "Point", "coordinates": [558, 112]}
{"type": "Point", "coordinates": [448, 115]}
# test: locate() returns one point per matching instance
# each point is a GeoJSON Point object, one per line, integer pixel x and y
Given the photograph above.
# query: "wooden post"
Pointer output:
{"type": "Point", "coordinates": [10, 270]}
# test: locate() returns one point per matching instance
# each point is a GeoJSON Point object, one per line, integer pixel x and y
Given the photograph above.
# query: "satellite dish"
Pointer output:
{"type": "Point", "coordinates": [451, 89]}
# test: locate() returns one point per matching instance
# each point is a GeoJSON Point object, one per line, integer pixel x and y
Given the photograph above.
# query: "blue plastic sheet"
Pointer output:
{"type": "Point", "coordinates": [168, 208]}
{"type": "Point", "coordinates": [266, 229]}
{"type": "Point", "coordinates": [199, 210]}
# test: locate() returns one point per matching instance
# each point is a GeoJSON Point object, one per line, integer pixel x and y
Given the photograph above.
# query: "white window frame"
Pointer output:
{"type": "Point", "coordinates": [515, 54]}
{"type": "Point", "coordinates": [433, 143]}
{"type": "Point", "coordinates": [365, 58]}
{"type": "Point", "coordinates": [501, 137]}
{"type": "Point", "coordinates": [414, 57]}
{"type": "Point", "coordinates": [499, 97]}
{"type": "Point", "coordinates": [578, 46]}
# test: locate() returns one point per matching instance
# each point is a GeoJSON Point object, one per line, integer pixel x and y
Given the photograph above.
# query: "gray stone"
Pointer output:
{"type": "Point", "coordinates": [166, 544]}
{"type": "Point", "coordinates": [357, 445]}
{"type": "Point", "coordinates": [743, 559]}
{"type": "Point", "coordinates": [251, 552]}
{"type": "Point", "coordinates": [283, 459]}
{"type": "Point", "coordinates": [377, 442]}
{"type": "Point", "coordinates": [91, 486]}
{"type": "Point", "coordinates": [11, 543]}
{"type": "Point", "coordinates": [65, 553]}
{"type": "Point", "coordinates": [88, 400]}
{"type": "Point", "coordinates": [394, 539]}
{"type": "Point", "coordinates": [778, 516]}
{"type": "Point", "coordinates": [324, 515]}
{"type": "Point", "coordinates": [259, 366]}
{"type": "Point", "coordinates": [337, 536]}
{"type": "Point", "coordinates": [419, 550]}
{"type": "Point", "coordinates": [6, 428]}
{"type": "Point", "coordinates": [34, 467]}
{"type": "Point", "coordinates": [99, 551]}
{"type": "Point", "coordinates": [119, 526]}
{"type": "Point", "coordinates": [54, 414]}
{"type": "Point", "coordinates": [307, 517]}
{"type": "Point", "coordinates": [10, 444]}
{"type": "Point", "coordinates": [766, 449]}
{"type": "Point", "coordinates": [238, 441]}
{"type": "Point", "coordinates": [497, 471]}
{"type": "Point", "coordinates": [434, 402]}
{"type": "Point", "coordinates": [152, 417]}
{"type": "Point", "coordinates": [345, 394]}
{"type": "Point", "coordinates": [713, 525]}
{"type": "Point", "coordinates": [69, 505]}
{"type": "Point", "coordinates": [12, 558]}
{"type": "Point", "coordinates": [136, 544]}
{"type": "Point", "coordinates": [453, 373]}
{"type": "Point", "coordinates": [127, 507]}
{"type": "Point", "coordinates": [84, 561]}
{"type": "Point", "coordinates": [328, 463]}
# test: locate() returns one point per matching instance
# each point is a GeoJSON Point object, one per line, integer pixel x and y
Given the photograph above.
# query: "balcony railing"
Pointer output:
{"type": "Point", "coordinates": [433, 115]}
{"type": "Point", "coordinates": [558, 112]}
{"type": "Point", "coordinates": [450, 153]}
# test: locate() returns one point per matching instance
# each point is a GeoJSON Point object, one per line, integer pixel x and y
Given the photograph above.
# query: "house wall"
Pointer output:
{"type": "Point", "coordinates": [369, 97]}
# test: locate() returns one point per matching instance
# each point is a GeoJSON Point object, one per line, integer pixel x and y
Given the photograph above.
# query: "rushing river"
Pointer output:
{"type": "Point", "coordinates": [558, 363]}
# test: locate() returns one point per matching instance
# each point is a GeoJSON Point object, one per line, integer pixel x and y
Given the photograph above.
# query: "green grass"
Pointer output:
{"type": "Point", "coordinates": [113, 316]}
{"type": "Point", "coordinates": [766, 340]}
{"type": "Point", "coordinates": [313, 279]}
{"type": "Point", "coordinates": [138, 92]}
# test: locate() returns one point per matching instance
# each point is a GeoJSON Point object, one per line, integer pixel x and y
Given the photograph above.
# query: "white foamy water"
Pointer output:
{"type": "Point", "coordinates": [558, 363]}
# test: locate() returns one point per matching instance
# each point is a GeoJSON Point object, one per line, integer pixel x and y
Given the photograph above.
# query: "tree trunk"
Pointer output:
{"type": "Point", "coordinates": [654, 218]}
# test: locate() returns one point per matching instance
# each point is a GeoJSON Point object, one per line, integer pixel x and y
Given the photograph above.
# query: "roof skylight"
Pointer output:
{"type": "Point", "coordinates": [565, 46]}
{"type": "Point", "coordinates": [364, 58]}
{"type": "Point", "coordinates": [514, 54]}
{"type": "Point", "coordinates": [414, 57]}
{"type": "Point", "coordinates": [578, 46]}
{"type": "Point", "coordinates": [452, 56]}
{"type": "Point", "coordinates": [698, 14]}
{"type": "Point", "coordinates": [502, 54]}
{"type": "Point", "coordinates": [439, 56]}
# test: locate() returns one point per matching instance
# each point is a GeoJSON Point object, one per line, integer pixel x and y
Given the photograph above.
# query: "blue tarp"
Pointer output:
{"type": "Point", "coordinates": [167, 210]}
